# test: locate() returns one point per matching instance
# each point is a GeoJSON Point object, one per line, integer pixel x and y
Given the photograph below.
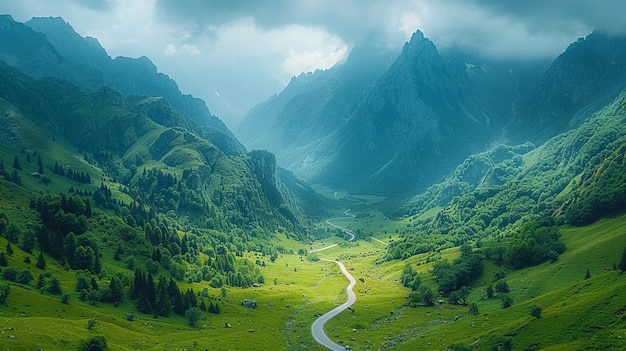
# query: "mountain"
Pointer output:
{"type": "Point", "coordinates": [400, 126]}
{"type": "Point", "coordinates": [576, 177]}
{"type": "Point", "coordinates": [104, 109]}
{"type": "Point", "coordinates": [314, 104]}
{"type": "Point", "coordinates": [45, 47]}
{"type": "Point", "coordinates": [584, 78]}
{"type": "Point", "coordinates": [130, 138]}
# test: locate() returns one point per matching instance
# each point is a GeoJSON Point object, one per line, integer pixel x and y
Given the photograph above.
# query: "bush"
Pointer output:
{"type": "Point", "coordinates": [502, 287]}
{"type": "Point", "coordinates": [535, 311]}
{"type": "Point", "coordinates": [54, 286]}
{"type": "Point", "coordinates": [473, 309]}
{"type": "Point", "coordinates": [193, 315]}
{"type": "Point", "coordinates": [507, 301]}
{"type": "Point", "coordinates": [24, 276]}
{"type": "Point", "coordinates": [10, 273]}
{"type": "Point", "coordinates": [91, 323]}
{"type": "Point", "coordinates": [5, 289]}
{"type": "Point", "coordinates": [489, 291]}
{"type": "Point", "coordinates": [97, 343]}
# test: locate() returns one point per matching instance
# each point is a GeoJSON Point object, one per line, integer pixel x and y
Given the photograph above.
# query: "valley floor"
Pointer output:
{"type": "Point", "coordinates": [578, 313]}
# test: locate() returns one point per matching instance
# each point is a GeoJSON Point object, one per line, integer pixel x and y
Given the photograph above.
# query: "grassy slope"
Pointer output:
{"type": "Point", "coordinates": [577, 313]}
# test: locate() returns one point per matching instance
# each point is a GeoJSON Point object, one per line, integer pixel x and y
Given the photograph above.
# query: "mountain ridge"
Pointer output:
{"type": "Point", "coordinates": [82, 61]}
{"type": "Point", "coordinates": [430, 109]}
{"type": "Point", "coordinates": [418, 116]}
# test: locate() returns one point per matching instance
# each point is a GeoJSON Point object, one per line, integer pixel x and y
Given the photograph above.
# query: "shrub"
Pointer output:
{"type": "Point", "coordinates": [91, 323]}
{"type": "Point", "coordinates": [535, 311]}
{"type": "Point", "coordinates": [24, 276]}
{"type": "Point", "coordinates": [507, 301]}
{"type": "Point", "coordinates": [502, 287]}
{"type": "Point", "coordinates": [97, 343]}
{"type": "Point", "coordinates": [193, 315]}
{"type": "Point", "coordinates": [54, 286]}
{"type": "Point", "coordinates": [489, 291]}
{"type": "Point", "coordinates": [10, 273]}
{"type": "Point", "coordinates": [5, 289]}
{"type": "Point", "coordinates": [473, 309]}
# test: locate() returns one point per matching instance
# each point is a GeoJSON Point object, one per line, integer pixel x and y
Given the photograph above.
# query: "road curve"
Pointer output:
{"type": "Point", "coordinates": [347, 231]}
{"type": "Point", "coordinates": [317, 328]}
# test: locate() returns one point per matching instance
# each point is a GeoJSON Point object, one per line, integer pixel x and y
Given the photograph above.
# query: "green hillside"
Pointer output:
{"type": "Point", "coordinates": [577, 312]}
{"type": "Point", "coordinates": [576, 178]}
{"type": "Point", "coordinates": [111, 206]}
{"type": "Point", "coordinates": [126, 224]}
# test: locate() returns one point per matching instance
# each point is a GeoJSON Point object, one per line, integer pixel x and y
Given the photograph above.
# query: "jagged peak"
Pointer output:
{"type": "Point", "coordinates": [7, 17]}
{"type": "Point", "coordinates": [418, 45]}
{"type": "Point", "coordinates": [51, 22]}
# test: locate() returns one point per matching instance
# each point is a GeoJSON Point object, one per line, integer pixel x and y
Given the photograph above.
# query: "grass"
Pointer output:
{"type": "Point", "coordinates": [577, 313]}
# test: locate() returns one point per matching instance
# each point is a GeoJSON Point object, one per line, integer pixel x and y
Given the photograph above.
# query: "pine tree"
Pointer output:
{"type": "Point", "coordinates": [69, 248]}
{"type": "Point", "coordinates": [150, 290]}
{"type": "Point", "coordinates": [163, 305]}
{"type": "Point", "coordinates": [138, 284]}
{"type": "Point", "coordinates": [54, 286]}
{"type": "Point", "coordinates": [115, 286]}
{"type": "Point", "coordinates": [41, 261]}
{"type": "Point", "coordinates": [40, 164]}
{"type": "Point", "coordinates": [191, 297]}
{"type": "Point", "coordinates": [143, 305]}
{"type": "Point", "coordinates": [16, 163]}
{"type": "Point", "coordinates": [9, 249]}
{"type": "Point", "coordinates": [88, 211]}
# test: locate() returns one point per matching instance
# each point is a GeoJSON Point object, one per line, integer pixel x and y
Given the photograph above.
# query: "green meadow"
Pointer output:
{"type": "Point", "coordinates": [578, 313]}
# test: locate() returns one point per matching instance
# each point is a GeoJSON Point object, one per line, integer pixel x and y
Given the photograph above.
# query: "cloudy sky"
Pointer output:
{"type": "Point", "coordinates": [235, 53]}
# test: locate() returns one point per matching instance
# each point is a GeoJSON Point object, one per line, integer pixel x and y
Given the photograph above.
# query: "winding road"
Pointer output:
{"type": "Point", "coordinates": [317, 328]}
{"type": "Point", "coordinates": [346, 231]}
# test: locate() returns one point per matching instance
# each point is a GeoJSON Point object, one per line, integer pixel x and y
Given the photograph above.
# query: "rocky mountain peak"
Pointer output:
{"type": "Point", "coordinates": [419, 46]}
{"type": "Point", "coordinates": [69, 43]}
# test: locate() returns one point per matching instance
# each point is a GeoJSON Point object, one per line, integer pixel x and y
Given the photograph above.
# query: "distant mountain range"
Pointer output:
{"type": "Point", "coordinates": [44, 47]}
{"type": "Point", "coordinates": [388, 123]}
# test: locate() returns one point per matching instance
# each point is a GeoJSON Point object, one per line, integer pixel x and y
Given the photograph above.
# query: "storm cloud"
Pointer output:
{"type": "Point", "coordinates": [236, 53]}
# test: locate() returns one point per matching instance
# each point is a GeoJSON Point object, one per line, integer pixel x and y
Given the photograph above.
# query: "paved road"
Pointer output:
{"type": "Point", "coordinates": [347, 231]}
{"type": "Point", "coordinates": [317, 328]}
{"type": "Point", "coordinates": [323, 248]}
